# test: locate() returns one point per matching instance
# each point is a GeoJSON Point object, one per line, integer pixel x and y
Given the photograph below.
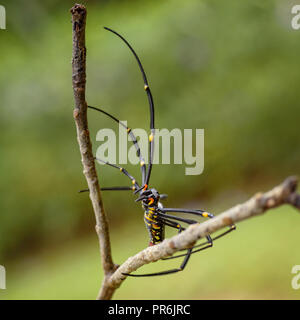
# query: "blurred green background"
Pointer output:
{"type": "Point", "coordinates": [230, 67]}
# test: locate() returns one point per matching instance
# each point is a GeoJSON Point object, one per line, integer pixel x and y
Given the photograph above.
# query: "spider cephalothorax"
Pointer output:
{"type": "Point", "coordinates": [149, 197]}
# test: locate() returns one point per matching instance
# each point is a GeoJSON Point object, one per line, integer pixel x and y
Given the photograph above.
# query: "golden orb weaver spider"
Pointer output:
{"type": "Point", "coordinates": [156, 217]}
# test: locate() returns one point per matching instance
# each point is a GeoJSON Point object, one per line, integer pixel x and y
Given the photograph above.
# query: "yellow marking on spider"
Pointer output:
{"type": "Point", "coordinates": [133, 188]}
{"type": "Point", "coordinates": [149, 219]}
{"type": "Point", "coordinates": [205, 214]}
{"type": "Point", "coordinates": [133, 181]}
{"type": "Point", "coordinates": [151, 137]}
{"type": "Point", "coordinates": [128, 130]}
{"type": "Point", "coordinates": [142, 163]}
{"type": "Point", "coordinates": [146, 87]}
{"type": "Point", "coordinates": [121, 169]}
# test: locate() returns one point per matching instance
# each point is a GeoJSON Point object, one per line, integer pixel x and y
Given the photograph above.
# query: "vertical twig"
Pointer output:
{"type": "Point", "coordinates": [80, 115]}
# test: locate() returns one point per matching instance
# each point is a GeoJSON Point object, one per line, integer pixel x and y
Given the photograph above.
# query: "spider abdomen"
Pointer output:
{"type": "Point", "coordinates": [155, 227]}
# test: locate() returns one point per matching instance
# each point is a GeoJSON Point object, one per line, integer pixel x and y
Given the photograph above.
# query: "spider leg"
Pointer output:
{"type": "Point", "coordinates": [182, 266]}
{"type": "Point", "coordinates": [232, 227]}
{"type": "Point", "coordinates": [201, 213]}
{"type": "Point", "coordinates": [180, 229]}
{"type": "Point", "coordinates": [210, 244]}
{"type": "Point", "coordinates": [150, 101]}
{"type": "Point", "coordinates": [135, 185]}
{"type": "Point", "coordinates": [124, 171]}
{"type": "Point", "coordinates": [168, 222]}
{"type": "Point", "coordinates": [133, 139]}
{"type": "Point", "coordinates": [171, 224]}
{"type": "Point", "coordinates": [163, 215]}
{"type": "Point", "coordinates": [110, 189]}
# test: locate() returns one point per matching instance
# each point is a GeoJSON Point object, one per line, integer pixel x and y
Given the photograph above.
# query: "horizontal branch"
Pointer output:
{"type": "Point", "coordinates": [285, 193]}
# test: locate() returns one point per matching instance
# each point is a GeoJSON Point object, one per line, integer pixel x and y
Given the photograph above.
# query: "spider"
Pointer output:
{"type": "Point", "coordinates": [156, 216]}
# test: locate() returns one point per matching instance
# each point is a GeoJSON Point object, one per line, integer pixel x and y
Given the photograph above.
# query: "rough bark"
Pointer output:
{"type": "Point", "coordinates": [80, 116]}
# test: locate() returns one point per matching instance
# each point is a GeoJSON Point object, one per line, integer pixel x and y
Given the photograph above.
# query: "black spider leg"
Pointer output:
{"type": "Point", "coordinates": [151, 105]}
{"type": "Point", "coordinates": [233, 227]}
{"type": "Point", "coordinates": [161, 214]}
{"type": "Point", "coordinates": [201, 213]}
{"type": "Point", "coordinates": [163, 217]}
{"type": "Point", "coordinates": [209, 241]}
{"type": "Point", "coordinates": [133, 139]}
{"type": "Point", "coordinates": [125, 188]}
{"type": "Point", "coordinates": [124, 171]}
{"type": "Point", "coordinates": [135, 184]}
{"type": "Point", "coordinates": [182, 266]}
{"type": "Point", "coordinates": [175, 225]}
